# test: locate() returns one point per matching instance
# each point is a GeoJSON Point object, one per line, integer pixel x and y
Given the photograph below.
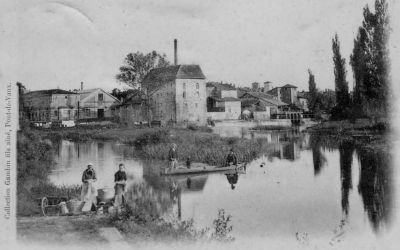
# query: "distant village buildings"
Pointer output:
{"type": "Point", "coordinates": [51, 105]}
{"type": "Point", "coordinates": [176, 94]}
{"type": "Point", "coordinates": [222, 102]}
{"type": "Point", "coordinates": [61, 105]}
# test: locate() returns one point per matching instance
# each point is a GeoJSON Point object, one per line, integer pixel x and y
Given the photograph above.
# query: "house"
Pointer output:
{"type": "Point", "coordinates": [51, 105]}
{"type": "Point", "coordinates": [133, 110]}
{"type": "Point", "coordinates": [302, 97]}
{"type": "Point", "coordinates": [222, 102]}
{"type": "Point", "coordinates": [177, 94]}
{"type": "Point", "coordinates": [261, 106]}
{"type": "Point", "coordinates": [95, 104]}
{"type": "Point", "coordinates": [286, 93]}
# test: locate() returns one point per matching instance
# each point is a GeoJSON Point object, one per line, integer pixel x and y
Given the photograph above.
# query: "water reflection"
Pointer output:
{"type": "Point", "coordinates": [375, 185]}
{"type": "Point", "coordinates": [289, 192]}
{"type": "Point", "coordinates": [346, 150]}
{"type": "Point", "coordinates": [319, 159]}
{"type": "Point", "coordinates": [232, 179]}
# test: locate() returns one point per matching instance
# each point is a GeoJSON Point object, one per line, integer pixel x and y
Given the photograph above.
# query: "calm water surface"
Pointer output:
{"type": "Point", "coordinates": [302, 183]}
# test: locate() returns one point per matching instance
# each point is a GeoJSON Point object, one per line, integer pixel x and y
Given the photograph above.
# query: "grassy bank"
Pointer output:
{"type": "Point", "coordinates": [197, 143]}
{"type": "Point", "coordinates": [34, 163]}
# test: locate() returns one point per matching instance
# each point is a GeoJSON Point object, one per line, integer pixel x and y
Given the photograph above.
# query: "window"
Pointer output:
{"type": "Point", "coordinates": [66, 97]}
{"type": "Point", "coordinates": [100, 96]}
{"type": "Point", "coordinates": [198, 94]}
{"type": "Point", "coordinates": [197, 85]}
{"type": "Point", "coordinates": [184, 94]}
{"type": "Point", "coordinates": [184, 85]}
{"type": "Point", "coordinates": [55, 112]}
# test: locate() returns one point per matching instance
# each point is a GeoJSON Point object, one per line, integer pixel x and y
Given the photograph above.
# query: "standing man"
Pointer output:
{"type": "Point", "coordinates": [89, 191]}
{"type": "Point", "coordinates": [120, 185]}
{"type": "Point", "coordinates": [231, 158]}
{"type": "Point", "coordinates": [173, 157]}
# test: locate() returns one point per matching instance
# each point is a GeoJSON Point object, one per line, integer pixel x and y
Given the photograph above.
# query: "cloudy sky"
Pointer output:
{"type": "Point", "coordinates": [50, 44]}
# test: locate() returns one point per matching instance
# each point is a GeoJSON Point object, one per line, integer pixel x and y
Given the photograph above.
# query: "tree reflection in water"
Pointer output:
{"type": "Point", "coordinates": [319, 158]}
{"type": "Point", "coordinates": [346, 149]}
{"type": "Point", "coordinates": [375, 185]}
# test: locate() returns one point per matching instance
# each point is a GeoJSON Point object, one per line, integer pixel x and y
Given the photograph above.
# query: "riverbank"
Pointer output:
{"type": "Point", "coordinates": [196, 143]}
{"type": "Point", "coordinates": [361, 132]}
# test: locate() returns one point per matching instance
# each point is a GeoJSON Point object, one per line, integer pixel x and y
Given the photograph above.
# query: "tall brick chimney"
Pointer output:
{"type": "Point", "coordinates": [81, 85]}
{"type": "Point", "coordinates": [175, 51]}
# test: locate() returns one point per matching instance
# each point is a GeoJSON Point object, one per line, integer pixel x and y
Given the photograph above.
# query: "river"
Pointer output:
{"type": "Point", "coordinates": [302, 183]}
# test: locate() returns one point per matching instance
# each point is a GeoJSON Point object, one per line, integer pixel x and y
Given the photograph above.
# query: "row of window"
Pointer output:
{"type": "Point", "coordinates": [197, 85]}
{"type": "Point", "coordinates": [184, 94]}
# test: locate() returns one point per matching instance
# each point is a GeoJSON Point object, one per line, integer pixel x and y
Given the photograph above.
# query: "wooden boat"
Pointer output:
{"type": "Point", "coordinates": [199, 168]}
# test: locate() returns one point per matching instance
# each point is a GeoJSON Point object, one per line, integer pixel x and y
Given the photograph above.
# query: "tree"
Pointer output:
{"type": "Point", "coordinates": [370, 61]}
{"type": "Point", "coordinates": [341, 85]}
{"type": "Point", "coordinates": [313, 92]}
{"type": "Point", "coordinates": [137, 65]}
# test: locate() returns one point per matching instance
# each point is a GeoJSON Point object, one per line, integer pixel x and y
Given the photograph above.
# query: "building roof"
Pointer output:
{"type": "Point", "coordinates": [225, 99]}
{"type": "Point", "coordinates": [221, 86]}
{"type": "Point", "coordinates": [245, 102]}
{"type": "Point", "coordinates": [51, 92]}
{"type": "Point", "coordinates": [266, 98]}
{"type": "Point", "coordinates": [289, 86]}
{"type": "Point", "coordinates": [174, 72]}
{"type": "Point", "coordinates": [158, 76]}
{"type": "Point", "coordinates": [87, 90]}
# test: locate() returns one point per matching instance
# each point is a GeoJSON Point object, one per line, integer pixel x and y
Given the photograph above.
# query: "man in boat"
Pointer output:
{"type": "Point", "coordinates": [89, 191]}
{"type": "Point", "coordinates": [120, 185]}
{"type": "Point", "coordinates": [173, 157]}
{"type": "Point", "coordinates": [231, 158]}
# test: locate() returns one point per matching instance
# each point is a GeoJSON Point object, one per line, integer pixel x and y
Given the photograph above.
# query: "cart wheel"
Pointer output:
{"type": "Point", "coordinates": [43, 205]}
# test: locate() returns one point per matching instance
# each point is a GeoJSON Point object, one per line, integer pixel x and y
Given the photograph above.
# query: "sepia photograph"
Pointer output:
{"type": "Point", "coordinates": [187, 124]}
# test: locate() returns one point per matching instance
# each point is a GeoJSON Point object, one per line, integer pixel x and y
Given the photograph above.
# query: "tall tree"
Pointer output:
{"type": "Point", "coordinates": [137, 65]}
{"type": "Point", "coordinates": [341, 85]}
{"type": "Point", "coordinates": [370, 60]}
{"type": "Point", "coordinates": [313, 92]}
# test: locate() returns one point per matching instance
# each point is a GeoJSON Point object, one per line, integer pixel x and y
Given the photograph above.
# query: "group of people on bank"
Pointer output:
{"type": "Point", "coordinates": [89, 190]}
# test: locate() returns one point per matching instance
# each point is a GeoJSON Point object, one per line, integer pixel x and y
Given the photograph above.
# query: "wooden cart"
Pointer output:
{"type": "Point", "coordinates": [50, 205]}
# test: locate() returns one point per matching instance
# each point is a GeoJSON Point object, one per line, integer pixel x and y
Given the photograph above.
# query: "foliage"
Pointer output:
{"type": "Point", "coordinates": [203, 147]}
{"type": "Point", "coordinates": [319, 101]}
{"type": "Point", "coordinates": [131, 222]}
{"type": "Point", "coordinates": [370, 62]}
{"type": "Point", "coordinates": [221, 227]}
{"type": "Point", "coordinates": [313, 92]}
{"type": "Point", "coordinates": [123, 94]}
{"type": "Point", "coordinates": [137, 65]}
{"type": "Point", "coordinates": [341, 85]}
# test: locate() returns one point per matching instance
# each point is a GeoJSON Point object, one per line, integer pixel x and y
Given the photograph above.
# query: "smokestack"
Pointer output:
{"type": "Point", "coordinates": [81, 85]}
{"type": "Point", "coordinates": [175, 51]}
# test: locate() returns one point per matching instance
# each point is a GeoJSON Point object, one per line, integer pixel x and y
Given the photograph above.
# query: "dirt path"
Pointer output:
{"type": "Point", "coordinates": [67, 230]}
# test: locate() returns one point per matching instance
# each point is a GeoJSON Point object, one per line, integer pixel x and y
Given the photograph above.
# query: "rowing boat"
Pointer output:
{"type": "Point", "coordinates": [197, 168]}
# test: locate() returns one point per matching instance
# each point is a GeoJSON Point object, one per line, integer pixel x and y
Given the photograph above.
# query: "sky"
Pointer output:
{"type": "Point", "coordinates": [58, 44]}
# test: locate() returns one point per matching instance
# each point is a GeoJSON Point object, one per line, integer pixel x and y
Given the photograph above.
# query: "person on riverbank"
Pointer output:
{"type": "Point", "coordinates": [231, 159]}
{"type": "Point", "coordinates": [173, 157]}
{"type": "Point", "coordinates": [89, 191]}
{"type": "Point", "coordinates": [120, 185]}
